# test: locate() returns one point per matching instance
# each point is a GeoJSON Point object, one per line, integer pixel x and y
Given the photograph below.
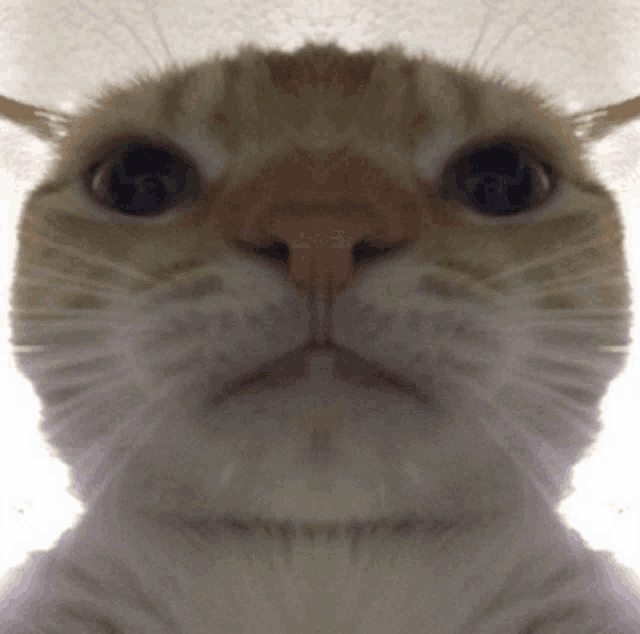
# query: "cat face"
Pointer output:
{"type": "Point", "coordinates": [320, 335]}
{"type": "Point", "coordinates": [321, 286]}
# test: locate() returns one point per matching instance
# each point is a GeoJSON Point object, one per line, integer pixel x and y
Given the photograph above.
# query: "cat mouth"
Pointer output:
{"type": "Point", "coordinates": [327, 359]}
{"type": "Point", "coordinates": [320, 357]}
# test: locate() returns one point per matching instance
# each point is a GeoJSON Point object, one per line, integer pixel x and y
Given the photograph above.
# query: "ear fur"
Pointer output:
{"type": "Point", "coordinates": [602, 121]}
{"type": "Point", "coordinates": [45, 124]}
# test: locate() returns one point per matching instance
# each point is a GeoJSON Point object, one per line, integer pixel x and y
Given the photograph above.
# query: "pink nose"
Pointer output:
{"type": "Point", "coordinates": [324, 250]}
{"type": "Point", "coordinates": [321, 254]}
{"type": "Point", "coordinates": [333, 216]}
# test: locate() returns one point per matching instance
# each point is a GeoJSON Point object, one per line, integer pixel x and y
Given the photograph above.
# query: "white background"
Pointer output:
{"type": "Point", "coordinates": [56, 54]}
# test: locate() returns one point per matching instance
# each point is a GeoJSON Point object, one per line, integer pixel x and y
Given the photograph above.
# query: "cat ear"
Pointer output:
{"type": "Point", "coordinates": [596, 124]}
{"type": "Point", "coordinates": [45, 124]}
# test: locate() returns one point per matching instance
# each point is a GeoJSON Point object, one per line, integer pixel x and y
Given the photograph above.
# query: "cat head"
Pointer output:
{"type": "Point", "coordinates": [217, 234]}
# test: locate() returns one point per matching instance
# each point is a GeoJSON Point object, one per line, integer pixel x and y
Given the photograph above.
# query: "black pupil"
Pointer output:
{"type": "Point", "coordinates": [147, 180]}
{"type": "Point", "coordinates": [497, 181]}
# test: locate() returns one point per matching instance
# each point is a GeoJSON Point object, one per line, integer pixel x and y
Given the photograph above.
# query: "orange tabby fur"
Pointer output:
{"type": "Point", "coordinates": [301, 438]}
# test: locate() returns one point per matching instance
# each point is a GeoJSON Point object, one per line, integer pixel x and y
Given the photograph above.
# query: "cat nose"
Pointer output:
{"type": "Point", "coordinates": [320, 252]}
{"type": "Point", "coordinates": [323, 215]}
{"type": "Point", "coordinates": [323, 253]}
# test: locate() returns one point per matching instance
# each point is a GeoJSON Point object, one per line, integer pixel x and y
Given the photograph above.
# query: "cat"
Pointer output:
{"type": "Point", "coordinates": [320, 335]}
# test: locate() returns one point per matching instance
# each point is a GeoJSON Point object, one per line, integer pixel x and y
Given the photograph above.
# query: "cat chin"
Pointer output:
{"type": "Point", "coordinates": [320, 449]}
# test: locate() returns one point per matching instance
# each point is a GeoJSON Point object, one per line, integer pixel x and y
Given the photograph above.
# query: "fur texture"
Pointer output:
{"type": "Point", "coordinates": [319, 392]}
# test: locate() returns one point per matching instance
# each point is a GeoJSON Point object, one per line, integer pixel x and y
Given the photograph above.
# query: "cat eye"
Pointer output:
{"type": "Point", "coordinates": [499, 180]}
{"type": "Point", "coordinates": [142, 179]}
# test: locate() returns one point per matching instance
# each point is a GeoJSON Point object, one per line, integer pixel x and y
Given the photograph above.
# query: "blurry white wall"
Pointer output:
{"type": "Point", "coordinates": [56, 53]}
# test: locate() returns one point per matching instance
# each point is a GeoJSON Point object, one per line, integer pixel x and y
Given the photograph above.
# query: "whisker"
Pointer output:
{"type": "Point", "coordinates": [543, 259]}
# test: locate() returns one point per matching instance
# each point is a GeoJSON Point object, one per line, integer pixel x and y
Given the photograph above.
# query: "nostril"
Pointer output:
{"type": "Point", "coordinates": [276, 251]}
{"type": "Point", "coordinates": [320, 258]}
{"type": "Point", "coordinates": [364, 251]}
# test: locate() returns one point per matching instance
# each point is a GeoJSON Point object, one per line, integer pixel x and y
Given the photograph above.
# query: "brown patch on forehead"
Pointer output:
{"type": "Point", "coordinates": [173, 96]}
{"type": "Point", "coordinates": [314, 67]}
{"type": "Point", "coordinates": [467, 99]}
{"type": "Point", "coordinates": [318, 97]}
